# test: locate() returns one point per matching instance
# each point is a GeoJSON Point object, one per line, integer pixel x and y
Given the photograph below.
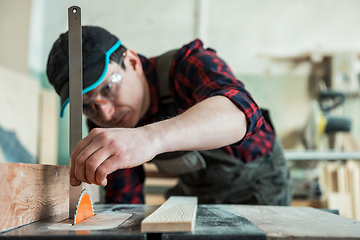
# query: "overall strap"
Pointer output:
{"type": "Point", "coordinates": [164, 63]}
{"type": "Point", "coordinates": [177, 163]}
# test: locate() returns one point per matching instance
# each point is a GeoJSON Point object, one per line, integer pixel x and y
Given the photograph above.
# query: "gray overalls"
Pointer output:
{"type": "Point", "coordinates": [216, 177]}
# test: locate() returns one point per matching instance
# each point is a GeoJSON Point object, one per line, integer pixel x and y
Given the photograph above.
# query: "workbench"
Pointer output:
{"type": "Point", "coordinates": [212, 222]}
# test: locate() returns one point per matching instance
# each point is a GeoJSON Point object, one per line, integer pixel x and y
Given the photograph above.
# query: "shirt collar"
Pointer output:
{"type": "Point", "coordinates": [149, 68]}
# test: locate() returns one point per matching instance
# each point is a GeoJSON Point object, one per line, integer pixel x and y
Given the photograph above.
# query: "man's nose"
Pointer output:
{"type": "Point", "coordinates": [105, 110]}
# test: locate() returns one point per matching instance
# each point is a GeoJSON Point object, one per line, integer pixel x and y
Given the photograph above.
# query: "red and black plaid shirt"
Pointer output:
{"type": "Point", "coordinates": [196, 74]}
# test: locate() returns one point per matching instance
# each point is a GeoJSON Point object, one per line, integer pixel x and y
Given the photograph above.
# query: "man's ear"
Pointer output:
{"type": "Point", "coordinates": [134, 61]}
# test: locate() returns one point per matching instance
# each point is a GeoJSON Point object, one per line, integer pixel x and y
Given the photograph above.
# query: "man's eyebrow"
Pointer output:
{"type": "Point", "coordinates": [89, 95]}
{"type": "Point", "coordinates": [93, 91]}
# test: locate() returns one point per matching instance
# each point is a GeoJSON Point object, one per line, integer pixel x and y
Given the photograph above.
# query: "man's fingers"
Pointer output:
{"type": "Point", "coordinates": [85, 142]}
{"type": "Point", "coordinates": [73, 180]}
{"type": "Point", "coordinates": [107, 167]}
{"type": "Point", "coordinates": [82, 158]}
{"type": "Point", "coordinates": [93, 163]}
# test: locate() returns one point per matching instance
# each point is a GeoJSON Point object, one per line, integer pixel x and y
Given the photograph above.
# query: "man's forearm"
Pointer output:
{"type": "Point", "coordinates": [212, 123]}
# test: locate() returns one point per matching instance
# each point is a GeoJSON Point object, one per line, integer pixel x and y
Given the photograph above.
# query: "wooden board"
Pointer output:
{"type": "Point", "coordinates": [19, 107]}
{"type": "Point", "coordinates": [177, 214]}
{"type": "Point", "coordinates": [342, 178]}
{"type": "Point", "coordinates": [30, 192]}
{"type": "Point", "coordinates": [306, 203]}
{"type": "Point", "coordinates": [354, 180]}
{"type": "Point", "coordinates": [341, 201]}
{"type": "Point", "coordinates": [300, 222]}
{"type": "Point", "coordinates": [100, 221]}
{"type": "Point", "coordinates": [48, 127]}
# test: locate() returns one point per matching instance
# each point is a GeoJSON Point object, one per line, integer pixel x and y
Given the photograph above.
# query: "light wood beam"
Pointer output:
{"type": "Point", "coordinates": [177, 214]}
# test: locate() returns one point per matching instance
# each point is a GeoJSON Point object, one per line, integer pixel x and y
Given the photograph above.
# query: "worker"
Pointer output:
{"type": "Point", "coordinates": [185, 111]}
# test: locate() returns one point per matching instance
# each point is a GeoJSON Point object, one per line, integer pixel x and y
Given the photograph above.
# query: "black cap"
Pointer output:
{"type": "Point", "coordinates": [97, 46]}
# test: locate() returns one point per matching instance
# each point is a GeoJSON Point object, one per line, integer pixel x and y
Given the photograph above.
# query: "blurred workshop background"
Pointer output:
{"type": "Point", "coordinates": [299, 59]}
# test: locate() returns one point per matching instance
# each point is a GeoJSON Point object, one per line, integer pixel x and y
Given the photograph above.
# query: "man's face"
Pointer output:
{"type": "Point", "coordinates": [119, 100]}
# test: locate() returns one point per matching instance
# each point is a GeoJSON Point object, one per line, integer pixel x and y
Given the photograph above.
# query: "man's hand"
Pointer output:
{"type": "Point", "coordinates": [104, 150]}
{"type": "Point", "coordinates": [215, 122]}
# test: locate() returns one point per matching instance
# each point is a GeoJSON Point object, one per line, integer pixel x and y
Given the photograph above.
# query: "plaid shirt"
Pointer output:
{"type": "Point", "coordinates": [196, 74]}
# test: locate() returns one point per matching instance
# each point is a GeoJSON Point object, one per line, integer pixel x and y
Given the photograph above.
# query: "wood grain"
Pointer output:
{"type": "Point", "coordinates": [300, 223]}
{"type": "Point", "coordinates": [177, 214]}
{"type": "Point", "coordinates": [30, 192]}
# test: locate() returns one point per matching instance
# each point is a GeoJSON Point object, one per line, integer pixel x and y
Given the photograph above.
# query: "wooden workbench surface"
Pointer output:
{"type": "Point", "coordinates": [300, 222]}
{"type": "Point", "coordinates": [212, 222]}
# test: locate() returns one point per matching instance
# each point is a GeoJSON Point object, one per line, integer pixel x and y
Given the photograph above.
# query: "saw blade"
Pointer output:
{"type": "Point", "coordinates": [84, 207]}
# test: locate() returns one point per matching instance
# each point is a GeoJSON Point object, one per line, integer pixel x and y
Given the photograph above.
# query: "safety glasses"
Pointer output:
{"type": "Point", "coordinates": [104, 93]}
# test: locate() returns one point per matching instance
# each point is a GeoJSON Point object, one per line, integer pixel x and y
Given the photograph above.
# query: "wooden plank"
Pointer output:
{"type": "Point", "coordinates": [353, 174]}
{"type": "Point", "coordinates": [342, 178]}
{"type": "Point", "coordinates": [19, 95]}
{"type": "Point", "coordinates": [342, 202]}
{"type": "Point", "coordinates": [323, 181]}
{"type": "Point", "coordinates": [30, 192]}
{"type": "Point", "coordinates": [177, 214]}
{"type": "Point", "coordinates": [354, 180]}
{"type": "Point", "coordinates": [300, 223]}
{"type": "Point", "coordinates": [48, 127]}
{"type": "Point", "coordinates": [356, 191]}
{"type": "Point", "coordinates": [154, 198]}
{"type": "Point", "coordinates": [332, 177]}
{"type": "Point", "coordinates": [306, 203]}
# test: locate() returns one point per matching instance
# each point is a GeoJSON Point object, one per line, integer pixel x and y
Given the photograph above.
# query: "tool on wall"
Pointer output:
{"type": "Point", "coordinates": [322, 122]}
{"type": "Point", "coordinates": [80, 202]}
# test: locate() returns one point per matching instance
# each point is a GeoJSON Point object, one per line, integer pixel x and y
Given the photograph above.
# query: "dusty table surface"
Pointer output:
{"type": "Point", "coordinates": [212, 222]}
{"type": "Point", "coordinates": [300, 222]}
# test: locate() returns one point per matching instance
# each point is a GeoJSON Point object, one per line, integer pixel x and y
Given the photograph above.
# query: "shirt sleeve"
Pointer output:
{"type": "Point", "coordinates": [200, 74]}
